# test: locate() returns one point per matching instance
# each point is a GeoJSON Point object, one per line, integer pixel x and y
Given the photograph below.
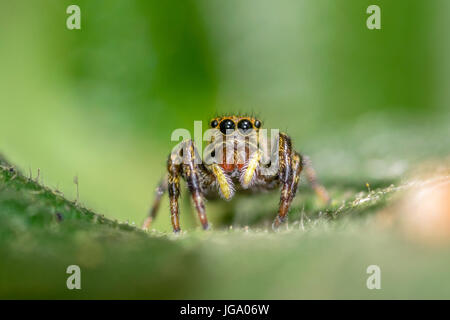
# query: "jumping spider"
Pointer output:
{"type": "Point", "coordinates": [235, 160]}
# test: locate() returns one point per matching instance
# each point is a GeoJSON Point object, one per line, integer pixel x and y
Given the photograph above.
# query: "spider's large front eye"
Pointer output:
{"type": "Point", "coordinates": [245, 126]}
{"type": "Point", "coordinates": [227, 125]}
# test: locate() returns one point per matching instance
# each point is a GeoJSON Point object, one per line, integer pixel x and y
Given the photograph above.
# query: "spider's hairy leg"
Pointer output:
{"type": "Point", "coordinates": [290, 169]}
{"type": "Point", "coordinates": [224, 182]}
{"type": "Point", "coordinates": [313, 181]}
{"type": "Point", "coordinates": [160, 190]}
{"type": "Point", "coordinates": [192, 169]}
{"type": "Point", "coordinates": [173, 188]}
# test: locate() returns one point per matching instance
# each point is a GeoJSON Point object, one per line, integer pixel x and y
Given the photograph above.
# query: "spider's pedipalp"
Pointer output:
{"type": "Point", "coordinates": [248, 173]}
{"type": "Point", "coordinates": [225, 185]}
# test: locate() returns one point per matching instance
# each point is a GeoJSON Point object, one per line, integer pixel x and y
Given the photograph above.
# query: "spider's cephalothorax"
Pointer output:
{"type": "Point", "coordinates": [237, 157]}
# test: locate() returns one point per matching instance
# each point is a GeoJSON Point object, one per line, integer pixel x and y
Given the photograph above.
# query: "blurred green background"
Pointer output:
{"type": "Point", "coordinates": [101, 103]}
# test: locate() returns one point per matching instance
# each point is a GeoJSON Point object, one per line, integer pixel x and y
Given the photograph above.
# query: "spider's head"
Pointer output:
{"type": "Point", "coordinates": [234, 139]}
{"type": "Point", "coordinates": [229, 125]}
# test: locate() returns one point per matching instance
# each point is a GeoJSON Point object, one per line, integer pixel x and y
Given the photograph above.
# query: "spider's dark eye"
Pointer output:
{"type": "Point", "coordinates": [227, 125]}
{"type": "Point", "coordinates": [257, 124]}
{"type": "Point", "coordinates": [245, 126]}
{"type": "Point", "coordinates": [214, 123]}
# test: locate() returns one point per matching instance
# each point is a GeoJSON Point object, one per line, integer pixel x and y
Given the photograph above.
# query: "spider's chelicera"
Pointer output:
{"type": "Point", "coordinates": [238, 157]}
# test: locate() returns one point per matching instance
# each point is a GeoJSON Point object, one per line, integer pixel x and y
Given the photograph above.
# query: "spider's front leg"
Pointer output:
{"type": "Point", "coordinates": [289, 173]}
{"type": "Point", "coordinates": [189, 166]}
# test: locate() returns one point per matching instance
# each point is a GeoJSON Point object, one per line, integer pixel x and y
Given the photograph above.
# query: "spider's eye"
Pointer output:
{"type": "Point", "coordinates": [245, 126]}
{"type": "Point", "coordinates": [227, 125]}
{"type": "Point", "coordinates": [214, 123]}
{"type": "Point", "coordinates": [257, 124]}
